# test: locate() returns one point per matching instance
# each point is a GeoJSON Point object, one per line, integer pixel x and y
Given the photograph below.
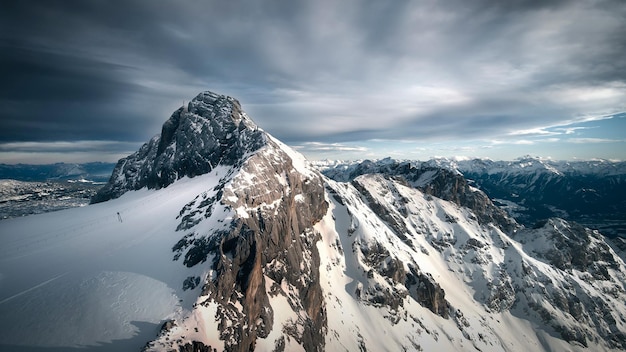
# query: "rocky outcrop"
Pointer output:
{"type": "Point", "coordinates": [425, 290]}
{"type": "Point", "coordinates": [619, 245]}
{"type": "Point", "coordinates": [393, 220]}
{"type": "Point", "coordinates": [253, 231]}
{"type": "Point", "coordinates": [270, 240]}
{"type": "Point", "coordinates": [582, 256]}
{"type": "Point", "coordinates": [573, 246]}
{"type": "Point", "coordinates": [211, 130]}
{"type": "Point", "coordinates": [195, 346]}
{"type": "Point", "coordinates": [453, 187]}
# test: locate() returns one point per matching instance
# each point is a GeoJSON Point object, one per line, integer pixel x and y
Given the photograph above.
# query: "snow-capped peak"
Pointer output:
{"type": "Point", "coordinates": [211, 130]}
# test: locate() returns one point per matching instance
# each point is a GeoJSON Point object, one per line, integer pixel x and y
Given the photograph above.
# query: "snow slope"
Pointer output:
{"type": "Point", "coordinates": [487, 276]}
{"type": "Point", "coordinates": [80, 277]}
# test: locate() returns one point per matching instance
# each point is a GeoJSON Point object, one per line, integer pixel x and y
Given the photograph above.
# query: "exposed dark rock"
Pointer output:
{"type": "Point", "coordinates": [383, 263]}
{"type": "Point", "coordinates": [431, 295]}
{"type": "Point", "coordinates": [453, 187]}
{"type": "Point", "coordinates": [572, 334]}
{"type": "Point", "coordinates": [502, 295]}
{"type": "Point", "coordinates": [474, 243]}
{"type": "Point", "coordinates": [617, 340]}
{"type": "Point", "coordinates": [212, 131]}
{"type": "Point", "coordinates": [199, 252]}
{"type": "Point", "coordinates": [167, 326]}
{"type": "Point", "coordinates": [255, 246]}
{"type": "Point", "coordinates": [385, 296]}
{"type": "Point", "coordinates": [195, 346]}
{"type": "Point", "coordinates": [191, 282]}
{"type": "Point", "coordinates": [619, 246]}
{"type": "Point", "coordinates": [427, 292]}
{"type": "Point", "coordinates": [280, 345]}
{"type": "Point", "coordinates": [440, 244]}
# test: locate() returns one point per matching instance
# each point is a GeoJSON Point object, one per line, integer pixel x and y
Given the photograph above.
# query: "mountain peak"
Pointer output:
{"type": "Point", "coordinates": [205, 101]}
{"type": "Point", "coordinates": [211, 130]}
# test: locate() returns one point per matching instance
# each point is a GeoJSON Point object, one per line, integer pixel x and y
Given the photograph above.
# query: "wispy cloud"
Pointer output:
{"type": "Point", "coordinates": [594, 140]}
{"type": "Point", "coordinates": [514, 142]}
{"type": "Point", "coordinates": [328, 147]}
{"type": "Point", "coordinates": [571, 130]}
{"type": "Point", "coordinates": [69, 146]}
{"type": "Point", "coordinates": [538, 131]}
{"type": "Point", "coordinates": [566, 128]}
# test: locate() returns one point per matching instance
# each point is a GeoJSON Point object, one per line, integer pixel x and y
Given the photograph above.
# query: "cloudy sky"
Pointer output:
{"type": "Point", "coordinates": [90, 80]}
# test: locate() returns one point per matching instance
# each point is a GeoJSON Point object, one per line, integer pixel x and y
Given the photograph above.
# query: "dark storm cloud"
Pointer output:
{"type": "Point", "coordinates": [318, 71]}
{"type": "Point", "coordinates": [53, 88]}
{"type": "Point", "coordinates": [58, 77]}
{"type": "Point", "coordinates": [93, 70]}
{"type": "Point", "coordinates": [53, 96]}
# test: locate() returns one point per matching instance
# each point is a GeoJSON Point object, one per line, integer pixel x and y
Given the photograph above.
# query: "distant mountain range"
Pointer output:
{"type": "Point", "coordinates": [530, 189]}
{"type": "Point", "coordinates": [21, 198]}
{"type": "Point", "coordinates": [95, 171]}
{"type": "Point", "coordinates": [592, 193]}
{"type": "Point", "coordinates": [33, 189]}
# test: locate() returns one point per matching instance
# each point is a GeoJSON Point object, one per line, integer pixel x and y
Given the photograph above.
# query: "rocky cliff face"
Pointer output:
{"type": "Point", "coordinates": [253, 232]}
{"type": "Point", "coordinates": [269, 250]}
{"type": "Point", "coordinates": [590, 277]}
{"type": "Point", "coordinates": [211, 130]}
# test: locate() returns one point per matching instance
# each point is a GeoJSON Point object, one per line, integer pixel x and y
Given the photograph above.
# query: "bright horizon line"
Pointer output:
{"type": "Point", "coordinates": [375, 159]}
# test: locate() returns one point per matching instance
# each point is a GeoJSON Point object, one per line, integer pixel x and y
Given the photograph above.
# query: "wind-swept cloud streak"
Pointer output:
{"type": "Point", "coordinates": [315, 71]}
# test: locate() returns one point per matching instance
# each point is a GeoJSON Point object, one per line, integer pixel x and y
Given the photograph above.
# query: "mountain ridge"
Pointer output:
{"type": "Point", "coordinates": [532, 189]}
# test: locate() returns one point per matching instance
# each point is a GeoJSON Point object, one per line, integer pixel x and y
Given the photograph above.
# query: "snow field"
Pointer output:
{"type": "Point", "coordinates": [80, 277]}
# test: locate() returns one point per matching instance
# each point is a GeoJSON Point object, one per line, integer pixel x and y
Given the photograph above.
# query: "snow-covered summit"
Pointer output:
{"type": "Point", "coordinates": [210, 130]}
